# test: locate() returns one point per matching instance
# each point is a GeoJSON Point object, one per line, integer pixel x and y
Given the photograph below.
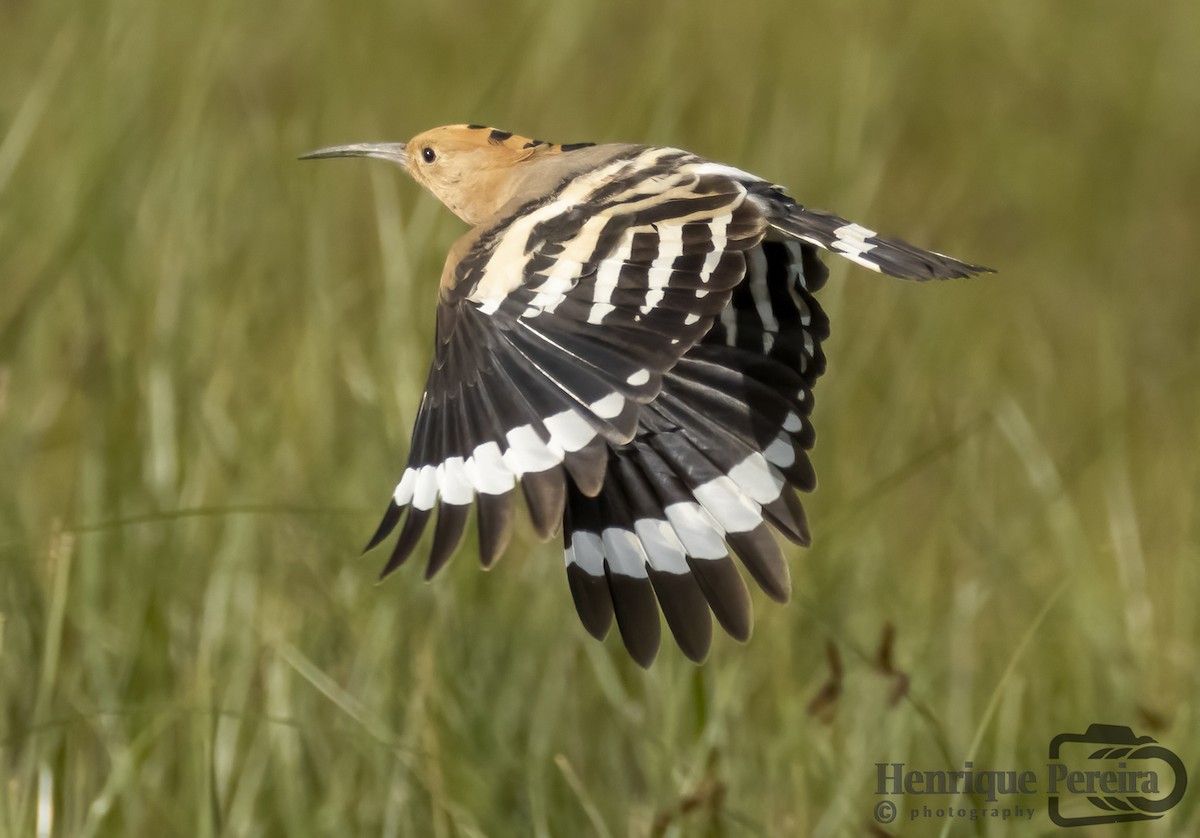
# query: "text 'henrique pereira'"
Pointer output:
{"type": "Point", "coordinates": [892, 778]}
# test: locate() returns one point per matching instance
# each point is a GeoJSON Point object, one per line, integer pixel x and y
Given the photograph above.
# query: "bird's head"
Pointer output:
{"type": "Point", "coordinates": [470, 168]}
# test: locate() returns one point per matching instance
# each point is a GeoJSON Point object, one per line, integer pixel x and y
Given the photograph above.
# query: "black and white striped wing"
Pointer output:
{"type": "Point", "coordinates": [715, 466]}
{"type": "Point", "coordinates": [722, 451]}
{"type": "Point", "coordinates": [561, 324]}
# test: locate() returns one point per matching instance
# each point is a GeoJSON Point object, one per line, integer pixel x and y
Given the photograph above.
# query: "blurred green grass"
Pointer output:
{"type": "Point", "coordinates": [211, 355]}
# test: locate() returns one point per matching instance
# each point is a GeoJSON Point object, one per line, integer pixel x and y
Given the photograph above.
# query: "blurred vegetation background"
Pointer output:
{"type": "Point", "coordinates": [211, 355]}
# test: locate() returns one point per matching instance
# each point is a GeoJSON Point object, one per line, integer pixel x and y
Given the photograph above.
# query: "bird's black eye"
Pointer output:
{"type": "Point", "coordinates": [428, 154]}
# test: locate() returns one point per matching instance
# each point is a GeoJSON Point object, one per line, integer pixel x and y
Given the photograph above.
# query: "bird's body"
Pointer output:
{"type": "Point", "coordinates": [628, 335]}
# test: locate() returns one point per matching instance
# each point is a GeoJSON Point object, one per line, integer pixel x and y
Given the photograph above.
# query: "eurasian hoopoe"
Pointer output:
{"type": "Point", "coordinates": [628, 334]}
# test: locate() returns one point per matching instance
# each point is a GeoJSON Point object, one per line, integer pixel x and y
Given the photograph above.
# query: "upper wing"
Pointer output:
{"type": "Point", "coordinates": [559, 322]}
{"type": "Point", "coordinates": [711, 471]}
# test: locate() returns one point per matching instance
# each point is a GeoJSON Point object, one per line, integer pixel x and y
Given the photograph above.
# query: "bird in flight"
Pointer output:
{"type": "Point", "coordinates": [628, 337]}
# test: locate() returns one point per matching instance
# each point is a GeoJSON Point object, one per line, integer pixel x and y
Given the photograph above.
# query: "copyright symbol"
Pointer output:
{"type": "Point", "coordinates": [885, 811]}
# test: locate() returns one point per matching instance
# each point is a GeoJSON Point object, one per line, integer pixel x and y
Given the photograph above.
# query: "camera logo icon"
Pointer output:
{"type": "Point", "coordinates": [1109, 775]}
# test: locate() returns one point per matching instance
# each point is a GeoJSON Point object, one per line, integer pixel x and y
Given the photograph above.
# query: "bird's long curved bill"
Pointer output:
{"type": "Point", "coordinates": [393, 152]}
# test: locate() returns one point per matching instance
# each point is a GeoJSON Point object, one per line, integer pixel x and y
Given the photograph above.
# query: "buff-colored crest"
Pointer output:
{"type": "Point", "coordinates": [470, 167]}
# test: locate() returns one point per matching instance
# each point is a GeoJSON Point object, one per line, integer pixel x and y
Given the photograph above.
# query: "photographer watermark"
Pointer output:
{"type": "Point", "coordinates": [1105, 775]}
{"type": "Point", "coordinates": [1128, 778]}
